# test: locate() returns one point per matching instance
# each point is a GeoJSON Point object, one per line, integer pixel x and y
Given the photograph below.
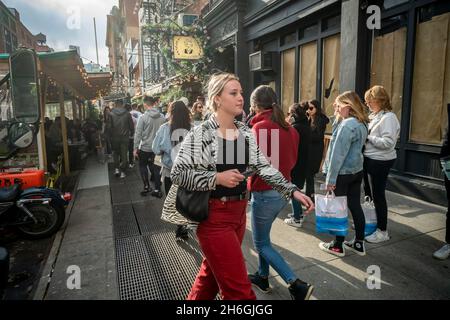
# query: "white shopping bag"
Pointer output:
{"type": "Point", "coordinates": [331, 214]}
{"type": "Point", "coordinates": [370, 215]}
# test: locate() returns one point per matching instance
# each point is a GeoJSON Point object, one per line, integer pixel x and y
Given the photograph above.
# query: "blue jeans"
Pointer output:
{"type": "Point", "coordinates": [297, 209]}
{"type": "Point", "coordinates": [266, 205]}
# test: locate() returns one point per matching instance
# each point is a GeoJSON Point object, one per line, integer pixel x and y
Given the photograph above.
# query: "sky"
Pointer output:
{"type": "Point", "coordinates": [68, 22]}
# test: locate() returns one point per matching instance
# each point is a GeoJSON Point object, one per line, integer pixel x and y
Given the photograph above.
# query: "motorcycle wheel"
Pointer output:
{"type": "Point", "coordinates": [49, 221]}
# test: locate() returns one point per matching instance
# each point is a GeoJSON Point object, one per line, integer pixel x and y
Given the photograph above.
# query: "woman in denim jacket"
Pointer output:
{"type": "Point", "coordinates": [343, 167]}
{"type": "Point", "coordinates": [167, 143]}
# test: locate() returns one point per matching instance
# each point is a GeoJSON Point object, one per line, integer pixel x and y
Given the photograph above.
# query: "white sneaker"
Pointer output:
{"type": "Point", "coordinates": [443, 253]}
{"type": "Point", "coordinates": [116, 172]}
{"type": "Point", "coordinates": [122, 175]}
{"type": "Point", "coordinates": [378, 236]}
{"type": "Point", "coordinates": [294, 222]}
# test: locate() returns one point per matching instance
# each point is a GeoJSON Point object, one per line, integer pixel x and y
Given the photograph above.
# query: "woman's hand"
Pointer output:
{"type": "Point", "coordinates": [229, 178]}
{"type": "Point", "coordinates": [305, 200]}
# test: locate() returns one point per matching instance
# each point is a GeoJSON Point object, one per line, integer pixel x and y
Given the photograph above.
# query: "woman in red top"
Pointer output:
{"type": "Point", "coordinates": [270, 129]}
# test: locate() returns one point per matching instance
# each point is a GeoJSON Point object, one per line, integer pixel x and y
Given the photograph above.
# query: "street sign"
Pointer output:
{"type": "Point", "coordinates": [186, 48]}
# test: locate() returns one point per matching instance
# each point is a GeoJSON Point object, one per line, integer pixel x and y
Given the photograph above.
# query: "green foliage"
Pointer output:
{"type": "Point", "coordinates": [160, 36]}
{"type": "Point", "coordinates": [174, 93]}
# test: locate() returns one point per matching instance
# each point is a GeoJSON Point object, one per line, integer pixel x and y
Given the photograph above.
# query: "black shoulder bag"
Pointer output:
{"type": "Point", "coordinates": [193, 205]}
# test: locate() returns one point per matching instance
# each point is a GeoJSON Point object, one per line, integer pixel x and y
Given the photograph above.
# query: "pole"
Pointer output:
{"type": "Point", "coordinates": [62, 115]}
{"type": "Point", "coordinates": [96, 45]}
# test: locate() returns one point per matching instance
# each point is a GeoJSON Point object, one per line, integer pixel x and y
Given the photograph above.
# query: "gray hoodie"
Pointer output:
{"type": "Point", "coordinates": [146, 128]}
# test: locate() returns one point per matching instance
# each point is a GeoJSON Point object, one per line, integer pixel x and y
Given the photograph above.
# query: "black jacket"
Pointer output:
{"type": "Point", "coordinates": [303, 165]}
{"type": "Point", "coordinates": [120, 123]}
{"type": "Point", "coordinates": [317, 143]}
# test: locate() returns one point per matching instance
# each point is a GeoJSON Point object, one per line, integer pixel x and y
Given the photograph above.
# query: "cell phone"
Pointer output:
{"type": "Point", "coordinates": [248, 173]}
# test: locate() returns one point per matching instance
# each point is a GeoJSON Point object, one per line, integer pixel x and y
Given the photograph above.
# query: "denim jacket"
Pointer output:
{"type": "Point", "coordinates": [344, 154]}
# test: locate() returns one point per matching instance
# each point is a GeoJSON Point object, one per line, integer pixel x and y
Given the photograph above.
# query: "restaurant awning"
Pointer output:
{"type": "Point", "coordinates": [67, 69]}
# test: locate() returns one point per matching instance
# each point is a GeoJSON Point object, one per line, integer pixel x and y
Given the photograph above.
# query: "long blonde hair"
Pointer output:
{"type": "Point", "coordinates": [215, 87]}
{"type": "Point", "coordinates": [357, 109]}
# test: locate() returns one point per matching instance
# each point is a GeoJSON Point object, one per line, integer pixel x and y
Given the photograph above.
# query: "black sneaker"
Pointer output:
{"type": "Point", "coordinates": [300, 290]}
{"type": "Point", "coordinates": [182, 233]}
{"type": "Point", "coordinates": [356, 246]}
{"type": "Point", "coordinates": [259, 282]}
{"type": "Point", "coordinates": [157, 193]}
{"type": "Point", "coordinates": [146, 190]}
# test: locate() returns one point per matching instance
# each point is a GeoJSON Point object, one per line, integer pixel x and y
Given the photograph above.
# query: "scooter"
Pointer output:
{"type": "Point", "coordinates": [36, 212]}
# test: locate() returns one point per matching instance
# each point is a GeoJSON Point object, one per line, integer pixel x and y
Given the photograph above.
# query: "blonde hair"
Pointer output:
{"type": "Point", "coordinates": [215, 87]}
{"type": "Point", "coordinates": [357, 109]}
{"type": "Point", "coordinates": [379, 94]}
{"type": "Point", "coordinates": [194, 107]}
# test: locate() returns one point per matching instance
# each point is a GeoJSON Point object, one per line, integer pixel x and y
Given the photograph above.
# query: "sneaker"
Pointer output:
{"type": "Point", "coordinates": [157, 193]}
{"type": "Point", "coordinates": [131, 165]}
{"type": "Point", "coordinates": [294, 222]}
{"type": "Point", "coordinates": [259, 282]}
{"type": "Point", "coordinates": [378, 236]}
{"type": "Point", "coordinates": [146, 190]}
{"type": "Point", "coordinates": [443, 253]}
{"type": "Point", "coordinates": [300, 290]}
{"type": "Point", "coordinates": [122, 175]}
{"type": "Point", "coordinates": [356, 246]}
{"type": "Point", "coordinates": [117, 172]}
{"type": "Point", "coordinates": [181, 233]}
{"type": "Point", "coordinates": [332, 248]}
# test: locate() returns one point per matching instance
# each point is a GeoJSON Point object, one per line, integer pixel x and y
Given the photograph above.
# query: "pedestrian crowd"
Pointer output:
{"type": "Point", "coordinates": [263, 159]}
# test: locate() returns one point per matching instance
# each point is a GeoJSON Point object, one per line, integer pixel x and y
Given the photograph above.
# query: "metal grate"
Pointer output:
{"type": "Point", "coordinates": [124, 221]}
{"type": "Point", "coordinates": [151, 264]}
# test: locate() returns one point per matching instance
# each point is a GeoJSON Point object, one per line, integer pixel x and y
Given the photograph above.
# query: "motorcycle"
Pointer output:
{"type": "Point", "coordinates": [36, 212]}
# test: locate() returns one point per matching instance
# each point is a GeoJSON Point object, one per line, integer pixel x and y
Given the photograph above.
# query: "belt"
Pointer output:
{"type": "Point", "coordinates": [243, 196]}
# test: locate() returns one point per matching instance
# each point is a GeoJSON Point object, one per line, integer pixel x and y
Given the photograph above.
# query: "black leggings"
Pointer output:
{"type": "Point", "coordinates": [375, 177]}
{"type": "Point", "coordinates": [350, 185]}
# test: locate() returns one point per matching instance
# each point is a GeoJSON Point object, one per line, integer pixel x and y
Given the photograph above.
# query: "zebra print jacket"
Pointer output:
{"type": "Point", "coordinates": [195, 166]}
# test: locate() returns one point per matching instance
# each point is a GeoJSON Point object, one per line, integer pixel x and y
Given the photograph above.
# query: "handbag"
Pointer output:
{"type": "Point", "coordinates": [193, 205]}
{"type": "Point", "coordinates": [370, 216]}
{"type": "Point", "coordinates": [331, 214]}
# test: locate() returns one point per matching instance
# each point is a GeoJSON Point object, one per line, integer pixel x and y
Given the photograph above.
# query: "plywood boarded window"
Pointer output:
{"type": "Point", "coordinates": [388, 65]}
{"type": "Point", "coordinates": [308, 71]}
{"type": "Point", "coordinates": [330, 74]}
{"type": "Point", "coordinates": [288, 78]}
{"type": "Point", "coordinates": [431, 81]}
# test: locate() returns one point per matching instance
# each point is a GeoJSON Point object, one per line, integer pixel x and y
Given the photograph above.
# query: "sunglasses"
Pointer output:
{"type": "Point", "coordinates": [310, 108]}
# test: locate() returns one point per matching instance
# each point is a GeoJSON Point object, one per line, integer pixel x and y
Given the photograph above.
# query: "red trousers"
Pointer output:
{"type": "Point", "coordinates": [223, 267]}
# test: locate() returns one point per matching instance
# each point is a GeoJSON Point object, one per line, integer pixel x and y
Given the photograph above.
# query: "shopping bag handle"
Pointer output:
{"type": "Point", "coordinates": [330, 194]}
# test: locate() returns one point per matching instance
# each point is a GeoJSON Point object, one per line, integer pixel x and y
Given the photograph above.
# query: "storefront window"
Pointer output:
{"type": "Point", "coordinates": [288, 78]}
{"type": "Point", "coordinates": [307, 32]}
{"type": "Point", "coordinates": [388, 64]}
{"type": "Point", "coordinates": [431, 80]}
{"type": "Point", "coordinates": [330, 74]}
{"type": "Point", "coordinates": [308, 71]}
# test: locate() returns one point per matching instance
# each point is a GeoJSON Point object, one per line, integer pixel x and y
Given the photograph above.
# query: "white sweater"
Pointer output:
{"type": "Point", "coordinates": [384, 129]}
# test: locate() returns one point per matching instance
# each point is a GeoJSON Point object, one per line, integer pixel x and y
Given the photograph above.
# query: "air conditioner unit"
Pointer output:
{"type": "Point", "coordinates": [186, 19]}
{"type": "Point", "coordinates": [262, 61]}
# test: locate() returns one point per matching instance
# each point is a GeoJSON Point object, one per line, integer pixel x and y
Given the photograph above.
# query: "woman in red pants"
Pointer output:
{"type": "Point", "coordinates": [213, 157]}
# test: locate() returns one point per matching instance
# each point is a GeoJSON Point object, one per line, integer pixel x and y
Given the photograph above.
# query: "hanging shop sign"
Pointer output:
{"type": "Point", "coordinates": [187, 48]}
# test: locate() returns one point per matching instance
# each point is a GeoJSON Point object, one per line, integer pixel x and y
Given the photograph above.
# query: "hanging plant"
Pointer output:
{"type": "Point", "coordinates": [160, 37]}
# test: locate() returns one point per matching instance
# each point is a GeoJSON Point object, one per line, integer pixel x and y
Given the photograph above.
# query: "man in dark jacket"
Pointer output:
{"type": "Point", "coordinates": [121, 127]}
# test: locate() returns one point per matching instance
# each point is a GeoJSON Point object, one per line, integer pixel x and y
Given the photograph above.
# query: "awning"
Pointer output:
{"type": "Point", "coordinates": [66, 68]}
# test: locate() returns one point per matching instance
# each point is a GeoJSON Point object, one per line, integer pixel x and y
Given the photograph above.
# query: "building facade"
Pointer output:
{"type": "Point", "coordinates": [316, 49]}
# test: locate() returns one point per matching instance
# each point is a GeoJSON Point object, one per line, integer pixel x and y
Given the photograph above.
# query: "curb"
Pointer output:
{"type": "Point", "coordinates": [47, 271]}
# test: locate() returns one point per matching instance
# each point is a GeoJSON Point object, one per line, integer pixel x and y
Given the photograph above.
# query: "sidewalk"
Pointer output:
{"type": "Point", "coordinates": [125, 251]}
